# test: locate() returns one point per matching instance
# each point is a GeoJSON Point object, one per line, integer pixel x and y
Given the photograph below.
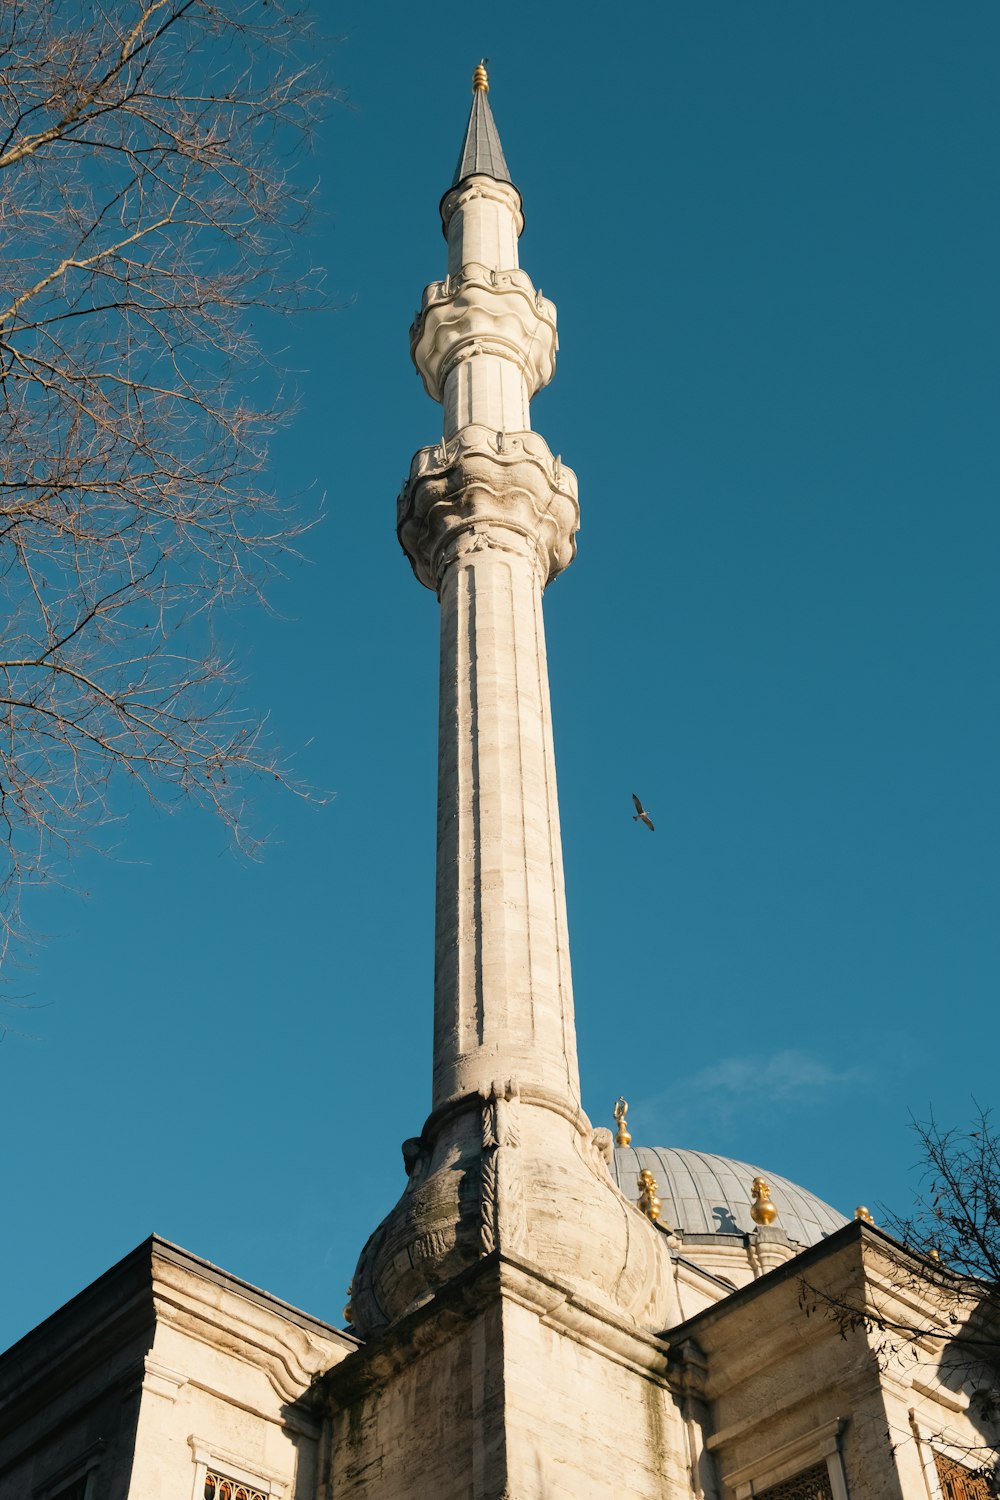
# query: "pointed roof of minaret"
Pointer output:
{"type": "Point", "coordinates": [482, 154]}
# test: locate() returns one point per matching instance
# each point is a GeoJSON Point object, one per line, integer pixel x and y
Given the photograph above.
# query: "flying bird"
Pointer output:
{"type": "Point", "coordinates": [641, 815]}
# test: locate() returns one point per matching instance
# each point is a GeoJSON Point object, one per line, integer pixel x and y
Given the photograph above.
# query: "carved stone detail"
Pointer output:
{"type": "Point", "coordinates": [503, 1221]}
{"type": "Point", "coordinates": [509, 1170]}
{"type": "Point", "coordinates": [499, 485]}
{"type": "Point", "coordinates": [603, 1144]}
{"type": "Point", "coordinates": [768, 1247]}
{"type": "Point", "coordinates": [480, 310]}
{"type": "Point", "coordinates": [414, 1157]}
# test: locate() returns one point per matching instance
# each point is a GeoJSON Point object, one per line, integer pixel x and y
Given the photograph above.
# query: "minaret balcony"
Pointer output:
{"type": "Point", "coordinates": [484, 488]}
{"type": "Point", "coordinates": [484, 311]}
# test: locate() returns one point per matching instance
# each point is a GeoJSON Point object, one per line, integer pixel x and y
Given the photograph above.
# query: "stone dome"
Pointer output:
{"type": "Point", "coordinates": [704, 1194]}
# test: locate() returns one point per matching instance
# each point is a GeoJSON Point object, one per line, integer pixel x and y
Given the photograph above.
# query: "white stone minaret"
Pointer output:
{"type": "Point", "coordinates": [488, 517]}
{"type": "Point", "coordinates": [507, 1161]}
{"type": "Point", "coordinates": [511, 1303]}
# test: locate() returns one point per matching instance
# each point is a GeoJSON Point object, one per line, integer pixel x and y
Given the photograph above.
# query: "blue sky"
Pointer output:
{"type": "Point", "coordinates": [772, 235]}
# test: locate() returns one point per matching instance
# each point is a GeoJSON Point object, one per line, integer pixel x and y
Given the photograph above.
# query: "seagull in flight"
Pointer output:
{"type": "Point", "coordinates": [641, 815]}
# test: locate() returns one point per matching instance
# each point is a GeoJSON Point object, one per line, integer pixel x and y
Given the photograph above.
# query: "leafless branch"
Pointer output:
{"type": "Point", "coordinates": [940, 1304]}
{"type": "Point", "coordinates": [150, 190]}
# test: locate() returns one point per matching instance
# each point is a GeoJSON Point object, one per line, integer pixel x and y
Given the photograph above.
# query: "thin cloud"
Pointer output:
{"type": "Point", "coordinates": [737, 1085]}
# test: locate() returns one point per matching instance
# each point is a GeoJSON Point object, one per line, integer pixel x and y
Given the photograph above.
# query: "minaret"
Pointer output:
{"type": "Point", "coordinates": [511, 1305]}
{"type": "Point", "coordinates": [507, 1163]}
{"type": "Point", "coordinates": [488, 517]}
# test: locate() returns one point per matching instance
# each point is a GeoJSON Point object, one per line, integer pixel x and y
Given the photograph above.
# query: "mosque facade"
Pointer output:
{"type": "Point", "coordinates": [548, 1311]}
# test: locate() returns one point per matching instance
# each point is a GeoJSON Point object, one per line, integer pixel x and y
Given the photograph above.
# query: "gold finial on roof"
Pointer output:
{"type": "Point", "coordinates": [762, 1210]}
{"type": "Point", "coordinates": [649, 1203]}
{"type": "Point", "coordinates": [622, 1136]}
{"type": "Point", "coordinates": [934, 1253]}
{"type": "Point", "coordinates": [480, 77]}
{"type": "Point", "coordinates": [862, 1213]}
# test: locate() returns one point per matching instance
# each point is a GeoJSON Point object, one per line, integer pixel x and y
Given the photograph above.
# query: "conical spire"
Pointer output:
{"type": "Point", "coordinates": [482, 154]}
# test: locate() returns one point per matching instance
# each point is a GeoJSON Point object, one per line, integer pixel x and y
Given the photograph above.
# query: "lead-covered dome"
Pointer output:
{"type": "Point", "coordinates": [705, 1194]}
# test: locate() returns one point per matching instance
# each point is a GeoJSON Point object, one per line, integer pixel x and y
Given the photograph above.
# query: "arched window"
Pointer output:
{"type": "Point", "coordinates": [218, 1487]}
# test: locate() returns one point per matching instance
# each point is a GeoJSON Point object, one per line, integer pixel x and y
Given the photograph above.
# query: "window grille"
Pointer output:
{"type": "Point", "coordinates": [218, 1487]}
{"type": "Point", "coordinates": [959, 1483]}
{"type": "Point", "coordinates": [814, 1484]}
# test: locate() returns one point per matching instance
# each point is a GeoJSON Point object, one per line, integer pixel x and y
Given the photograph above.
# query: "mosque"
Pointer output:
{"type": "Point", "coordinates": [548, 1311]}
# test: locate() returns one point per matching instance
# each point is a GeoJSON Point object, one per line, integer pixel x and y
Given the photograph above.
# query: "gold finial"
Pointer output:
{"type": "Point", "coordinates": [480, 77]}
{"type": "Point", "coordinates": [934, 1253]}
{"type": "Point", "coordinates": [762, 1210]}
{"type": "Point", "coordinates": [649, 1203]}
{"type": "Point", "coordinates": [622, 1136]}
{"type": "Point", "coordinates": [862, 1213]}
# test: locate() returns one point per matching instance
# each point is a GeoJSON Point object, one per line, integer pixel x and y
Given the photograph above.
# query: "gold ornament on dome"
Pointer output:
{"type": "Point", "coordinates": [480, 78]}
{"type": "Point", "coordinates": [649, 1203]}
{"type": "Point", "coordinates": [762, 1209]}
{"type": "Point", "coordinates": [622, 1137]}
{"type": "Point", "coordinates": [862, 1213]}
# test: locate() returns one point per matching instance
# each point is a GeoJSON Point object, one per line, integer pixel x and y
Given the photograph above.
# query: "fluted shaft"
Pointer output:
{"type": "Point", "coordinates": [503, 1001]}
{"type": "Point", "coordinates": [487, 518]}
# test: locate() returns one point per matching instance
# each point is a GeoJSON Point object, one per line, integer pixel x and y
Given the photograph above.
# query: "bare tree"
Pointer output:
{"type": "Point", "coordinates": [939, 1304]}
{"type": "Point", "coordinates": [957, 1214]}
{"type": "Point", "coordinates": [956, 1223]}
{"type": "Point", "coordinates": [150, 191]}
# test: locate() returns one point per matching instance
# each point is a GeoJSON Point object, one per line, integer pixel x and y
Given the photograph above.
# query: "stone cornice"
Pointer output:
{"type": "Point", "coordinates": [103, 1336]}
{"type": "Point", "coordinates": [563, 1308]}
{"type": "Point", "coordinates": [499, 1275]}
{"type": "Point", "coordinates": [106, 1329]}
{"type": "Point", "coordinates": [491, 489]}
{"type": "Point", "coordinates": [286, 1355]}
{"type": "Point", "coordinates": [484, 311]}
{"type": "Point", "coordinates": [531, 1094]}
{"type": "Point", "coordinates": [780, 1463]}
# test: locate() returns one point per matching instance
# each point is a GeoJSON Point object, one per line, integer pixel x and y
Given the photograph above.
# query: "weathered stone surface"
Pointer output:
{"type": "Point", "coordinates": [775, 1382]}
{"type": "Point", "coordinates": [507, 1385]}
{"type": "Point", "coordinates": [513, 1170]}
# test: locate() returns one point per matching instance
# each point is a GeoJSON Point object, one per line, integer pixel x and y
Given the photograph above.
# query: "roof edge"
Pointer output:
{"type": "Point", "coordinates": [139, 1264]}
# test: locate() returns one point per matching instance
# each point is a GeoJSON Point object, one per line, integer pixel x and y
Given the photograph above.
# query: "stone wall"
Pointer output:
{"type": "Point", "coordinates": [164, 1371]}
{"type": "Point", "coordinates": [507, 1386]}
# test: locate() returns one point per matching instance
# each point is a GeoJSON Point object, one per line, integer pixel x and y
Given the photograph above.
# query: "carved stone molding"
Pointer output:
{"type": "Point", "coordinates": [476, 189]}
{"type": "Point", "coordinates": [500, 486]}
{"type": "Point", "coordinates": [503, 1220]}
{"type": "Point", "coordinates": [479, 305]}
{"type": "Point", "coordinates": [767, 1247]}
{"type": "Point", "coordinates": [434, 1323]}
{"type": "Point", "coordinates": [603, 1150]}
{"type": "Point", "coordinates": [503, 1176]}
